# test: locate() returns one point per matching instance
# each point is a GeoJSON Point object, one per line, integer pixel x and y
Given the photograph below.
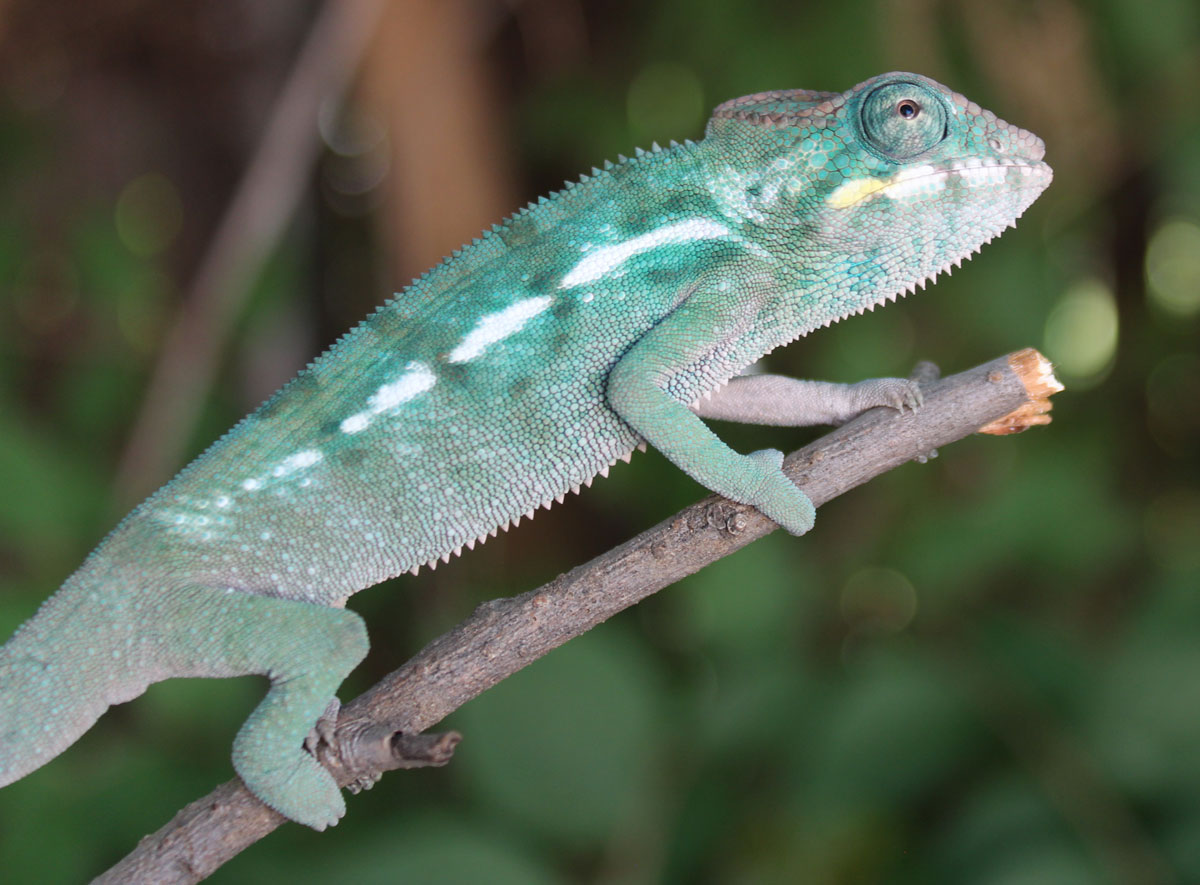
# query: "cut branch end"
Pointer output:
{"type": "Point", "coordinates": [1036, 373]}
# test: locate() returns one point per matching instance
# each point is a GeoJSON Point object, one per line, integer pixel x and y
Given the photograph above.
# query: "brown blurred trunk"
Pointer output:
{"type": "Point", "coordinates": [426, 79]}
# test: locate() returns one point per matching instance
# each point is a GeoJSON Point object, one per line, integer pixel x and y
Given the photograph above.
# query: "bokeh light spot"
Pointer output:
{"type": "Point", "coordinates": [878, 601]}
{"type": "Point", "coordinates": [149, 214]}
{"type": "Point", "coordinates": [1081, 332]}
{"type": "Point", "coordinates": [1173, 267]}
{"type": "Point", "coordinates": [141, 308]}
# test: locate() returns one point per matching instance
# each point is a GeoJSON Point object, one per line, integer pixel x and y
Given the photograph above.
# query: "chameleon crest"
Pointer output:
{"type": "Point", "coordinates": [612, 314]}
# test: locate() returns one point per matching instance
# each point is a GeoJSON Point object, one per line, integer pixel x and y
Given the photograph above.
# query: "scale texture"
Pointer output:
{"type": "Point", "coordinates": [606, 316]}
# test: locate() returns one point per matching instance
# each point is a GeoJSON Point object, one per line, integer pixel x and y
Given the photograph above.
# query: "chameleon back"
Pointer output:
{"type": "Point", "coordinates": [468, 401]}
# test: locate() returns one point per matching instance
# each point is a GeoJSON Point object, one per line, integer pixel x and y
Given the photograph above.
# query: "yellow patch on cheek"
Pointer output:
{"type": "Point", "coordinates": [850, 192]}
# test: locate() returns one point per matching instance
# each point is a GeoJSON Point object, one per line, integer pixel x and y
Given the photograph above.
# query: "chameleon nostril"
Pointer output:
{"type": "Point", "coordinates": [996, 145]}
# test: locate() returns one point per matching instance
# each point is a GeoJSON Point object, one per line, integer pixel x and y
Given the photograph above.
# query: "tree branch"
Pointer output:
{"type": "Point", "coordinates": [379, 729]}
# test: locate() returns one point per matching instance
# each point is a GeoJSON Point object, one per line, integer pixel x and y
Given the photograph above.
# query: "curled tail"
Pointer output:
{"type": "Point", "coordinates": [59, 672]}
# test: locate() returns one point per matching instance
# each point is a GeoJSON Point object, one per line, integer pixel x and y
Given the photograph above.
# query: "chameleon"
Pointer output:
{"type": "Point", "coordinates": [619, 312]}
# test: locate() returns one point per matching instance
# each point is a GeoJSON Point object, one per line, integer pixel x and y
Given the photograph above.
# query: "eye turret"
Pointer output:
{"type": "Point", "coordinates": [901, 120]}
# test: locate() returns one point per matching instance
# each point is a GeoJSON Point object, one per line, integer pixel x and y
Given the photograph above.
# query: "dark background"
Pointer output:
{"type": "Point", "coordinates": [983, 669]}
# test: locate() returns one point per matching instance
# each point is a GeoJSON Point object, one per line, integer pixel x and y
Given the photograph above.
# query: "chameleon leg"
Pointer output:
{"type": "Point", "coordinates": [306, 650]}
{"type": "Point", "coordinates": [790, 402]}
{"type": "Point", "coordinates": [637, 392]}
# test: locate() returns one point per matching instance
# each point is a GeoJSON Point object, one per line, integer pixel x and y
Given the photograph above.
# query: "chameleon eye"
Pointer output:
{"type": "Point", "coordinates": [901, 120]}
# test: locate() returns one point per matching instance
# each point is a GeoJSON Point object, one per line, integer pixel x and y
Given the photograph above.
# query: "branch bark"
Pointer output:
{"type": "Point", "coordinates": [376, 731]}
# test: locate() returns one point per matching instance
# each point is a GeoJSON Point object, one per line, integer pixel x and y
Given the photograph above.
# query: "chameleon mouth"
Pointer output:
{"type": "Point", "coordinates": [927, 180]}
{"type": "Point", "coordinates": [1034, 178]}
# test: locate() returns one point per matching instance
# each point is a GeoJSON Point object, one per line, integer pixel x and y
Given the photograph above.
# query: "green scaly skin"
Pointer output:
{"type": "Point", "coordinates": [525, 364]}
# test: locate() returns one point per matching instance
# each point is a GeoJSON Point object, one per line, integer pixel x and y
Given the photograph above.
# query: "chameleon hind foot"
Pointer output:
{"type": "Point", "coordinates": [778, 498]}
{"type": "Point", "coordinates": [296, 785]}
{"type": "Point", "coordinates": [306, 650]}
{"type": "Point", "coordinates": [271, 751]}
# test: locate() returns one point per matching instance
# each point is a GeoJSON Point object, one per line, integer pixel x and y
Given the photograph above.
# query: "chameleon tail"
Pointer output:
{"type": "Point", "coordinates": [58, 673]}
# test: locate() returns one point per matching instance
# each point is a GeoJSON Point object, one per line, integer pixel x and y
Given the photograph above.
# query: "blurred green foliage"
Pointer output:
{"type": "Point", "coordinates": [982, 669]}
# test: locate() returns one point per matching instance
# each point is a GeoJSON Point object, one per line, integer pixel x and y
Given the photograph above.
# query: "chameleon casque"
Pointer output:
{"type": "Point", "coordinates": [611, 314]}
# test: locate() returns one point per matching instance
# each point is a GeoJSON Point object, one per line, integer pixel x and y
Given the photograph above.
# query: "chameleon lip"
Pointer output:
{"type": "Point", "coordinates": [981, 172]}
{"type": "Point", "coordinates": [927, 179]}
{"type": "Point", "coordinates": [972, 173]}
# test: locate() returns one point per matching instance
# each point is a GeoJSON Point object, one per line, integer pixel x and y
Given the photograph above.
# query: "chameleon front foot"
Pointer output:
{"type": "Point", "coordinates": [895, 393]}
{"type": "Point", "coordinates": [778, 498]}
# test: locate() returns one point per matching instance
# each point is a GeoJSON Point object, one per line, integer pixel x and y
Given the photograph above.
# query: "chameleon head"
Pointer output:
{"type": "Point", "coordinates": [898, 178]}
